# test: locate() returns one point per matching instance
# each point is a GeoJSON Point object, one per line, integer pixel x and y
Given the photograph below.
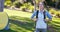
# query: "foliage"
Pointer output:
{"type": "Point", "coordinates": [27, 6]}
{"type": "Point", "coordinates": [7, 3]}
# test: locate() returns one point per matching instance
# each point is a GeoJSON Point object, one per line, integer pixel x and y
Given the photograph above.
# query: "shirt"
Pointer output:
{"type": "Point", "coordinates": [40, 21]}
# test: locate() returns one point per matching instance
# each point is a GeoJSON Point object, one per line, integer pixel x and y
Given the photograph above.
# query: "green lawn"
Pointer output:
{"type": "Point", "coordinates": [20, 22]}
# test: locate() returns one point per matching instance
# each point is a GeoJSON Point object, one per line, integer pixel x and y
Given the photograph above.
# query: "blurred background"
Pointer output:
{"type": "Point", "coordinates": [20, 11]}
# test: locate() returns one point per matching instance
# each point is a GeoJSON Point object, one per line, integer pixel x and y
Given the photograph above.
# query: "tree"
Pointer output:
{"type": "Point", "coordinates": [57, 1]}
{"type": "Point", "coordinates": [1, 10]}
{"type": "Point", "coordinates": [1, 5]}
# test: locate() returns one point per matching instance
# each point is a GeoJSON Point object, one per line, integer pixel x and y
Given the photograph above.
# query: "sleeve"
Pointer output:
{"type": "Point", "coordinates": [34, 14]}
{"type": "Point", "coordinates": [48, 15]}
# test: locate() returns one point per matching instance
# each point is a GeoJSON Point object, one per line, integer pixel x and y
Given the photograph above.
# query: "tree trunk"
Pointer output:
{"type": "Point", "coordinates": [1, 5]}
{"type": "Point", "coordinates": [57, 3]}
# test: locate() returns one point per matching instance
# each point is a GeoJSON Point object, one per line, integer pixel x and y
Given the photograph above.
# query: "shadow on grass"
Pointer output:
{"type": "Point", "coordinates": [54, 25]}
{"type": "Point", "coordinates": [57, 22]}
{"type": "Point", "coordinates": [26, 23]}
{"type": "Point", "coordinates": [56, 28]}
{"type": "Point", "coordinates": [7, 30]}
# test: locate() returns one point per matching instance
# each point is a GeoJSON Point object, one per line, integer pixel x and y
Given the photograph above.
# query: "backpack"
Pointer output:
{"type": "Point", "coordinates": [43, 14]}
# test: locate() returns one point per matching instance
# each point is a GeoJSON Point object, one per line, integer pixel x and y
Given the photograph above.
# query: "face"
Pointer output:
{"type": "Point", "coordinates": [41, 6]}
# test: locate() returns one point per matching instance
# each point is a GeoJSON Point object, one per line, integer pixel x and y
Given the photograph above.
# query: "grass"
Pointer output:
{"type": "Point", "coordinates": [20, 22]}
{"type": "Point", "coordinates": [55, 24]}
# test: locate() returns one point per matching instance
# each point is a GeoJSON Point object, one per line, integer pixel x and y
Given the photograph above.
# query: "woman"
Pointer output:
{"type": "Point", "coordinates": [41, 25]}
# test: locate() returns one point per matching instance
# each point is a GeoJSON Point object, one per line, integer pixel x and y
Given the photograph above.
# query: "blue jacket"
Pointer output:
{"type": "Point", "coordinates": [46, 13]}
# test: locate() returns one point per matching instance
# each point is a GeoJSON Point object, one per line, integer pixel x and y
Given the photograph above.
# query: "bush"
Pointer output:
{"type": "Point", "coordinates": [27, 6]}
{"type": "Point", "coordinates": [58, 15]}
{"type": "Point", "coordinates": [18, 5]}
{"type": "Point", "coordinates": [8, 3]}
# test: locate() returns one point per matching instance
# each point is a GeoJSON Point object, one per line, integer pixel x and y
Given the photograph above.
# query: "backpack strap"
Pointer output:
{"type": "Point", "coordinates": [43, 14]}
{"type": "Point", "coordinates": [37, 13]}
